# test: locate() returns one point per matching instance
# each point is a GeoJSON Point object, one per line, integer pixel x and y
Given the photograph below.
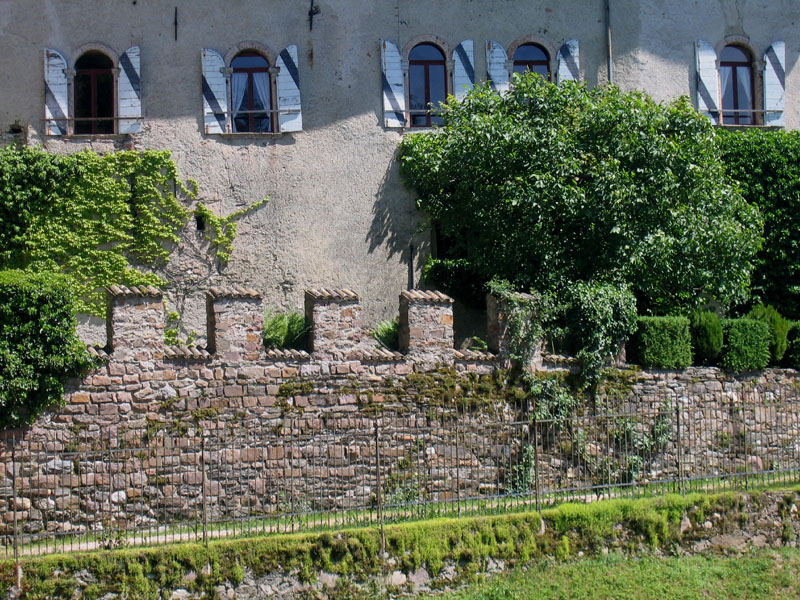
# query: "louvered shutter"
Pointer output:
{"type": "Point", "coordinates": [288, 85]}
{"type": "Point", "coordinates": [463, 69]}
{"type": "Point", "coordinates": [215, 95]}
{"type": "Point", "coordinates": [56, 97]}
{"type": "Point", "coordinates": [569, 66]}
{"type": "Point", "coordinates": [774, 84]}
{"type": "Point", "coordinates": [496, 71]}
{"type": "Point", "coordinates": [707, 80]}
{"type": "Point", "coordinates": [129, 95]}
{"type": "Point", "coordinates": [394, 89]}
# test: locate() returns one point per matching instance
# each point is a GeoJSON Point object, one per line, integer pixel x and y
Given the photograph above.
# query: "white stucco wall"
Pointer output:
{"type": "Point", "coordinates": [339, 215]}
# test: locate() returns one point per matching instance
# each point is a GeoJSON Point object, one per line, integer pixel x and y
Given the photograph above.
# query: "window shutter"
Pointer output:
{"type": "Point", "coordinates": [215, 93]}
{"type": "Point", "coordinates": [290, 116]}
{"type": "Point", "coordinates": [394, 89]}
{"type": "Point", "coordinates": [463, 69]}
{"type": "Point", "coordinates": [707, 80]}
{"type": "Point", "coordinates": [129, 95]}
{"type": "Point", "coordinates": [496, 71]}
{"type": "Point", "coordinates": [56, 97]}
{"type": "Point", "coordinates": [775, 84]}
{"type": "Point", "coordinates": [569, 66]}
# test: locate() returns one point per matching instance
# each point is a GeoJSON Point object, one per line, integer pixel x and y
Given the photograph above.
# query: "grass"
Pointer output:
{"type": "Point", "coordinates": [773, 574]}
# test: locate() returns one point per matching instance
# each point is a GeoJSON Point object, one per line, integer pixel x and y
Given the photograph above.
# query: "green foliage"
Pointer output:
{"type": "Point", "coordinates": [285, 330]}
{"type": "Point", "coordinates": [792, 357]}
{"type": "Point", "coordinates": [778, 330]}
{"type": "Point", "coordinates": [39, 349]}
{"type": "Point", "coordinates": [767, 166]}
{"type": "Point", "coordinates": [706, 329]}
{"type": "Point", "coordinates": [746, 345]}
{"type": "Point", "coordinates": [92, 217]}
{"type": "Point", "coordinates": [387, 334]}
{"type": "Point", "coordinates": [223, 229]}
{"type": "Point", "coordinates": [600, 317]}
{"type": "Point", "coordinates": [548, 185]}
{"type": "Point", "coordinates": [525, 315]}
{"type": "Point", "coordinates": [662, 342]}
{"type": "Point", "coordinates": [454, 277]}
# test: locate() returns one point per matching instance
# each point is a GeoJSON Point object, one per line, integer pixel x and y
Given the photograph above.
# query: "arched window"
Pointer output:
{"type": "Point", "coordinates": [94, 94]}
{"type": "Point", "coordinates": [532, 57]}
{"type": "Point", "coordinates": [736, 81]}
{"type": "Point", "coordinates": [251, 93]}
{"type": "Point", "coordinates": [427, 84]}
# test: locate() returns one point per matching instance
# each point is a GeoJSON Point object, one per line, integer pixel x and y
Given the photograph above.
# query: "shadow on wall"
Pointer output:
{"type": "Point", "coordinates": [396, 224]}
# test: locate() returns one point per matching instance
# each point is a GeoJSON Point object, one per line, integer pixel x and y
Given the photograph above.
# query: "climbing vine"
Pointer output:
{"type": "Point", "coordinates": [99, 219]}
{"type": "Point", "coordinates": [224, 229]}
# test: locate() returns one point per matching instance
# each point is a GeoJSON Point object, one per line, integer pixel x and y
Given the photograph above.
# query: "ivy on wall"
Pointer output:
{"type": "Point", "coordinates": [99, 219]}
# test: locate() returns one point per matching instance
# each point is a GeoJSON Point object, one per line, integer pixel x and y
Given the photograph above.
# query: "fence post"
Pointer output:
{"type": "Point", "coordinates": [532, 420]}
{"type": "Point", "coordinates": [458, 470]}
{"type": "Point", "coordinates": [17, 567]}
{"type": "Point", "coordinates": [203, 486]}
{"type": "Point", "coordinates": [679, 443]}
{"type": "Point", "coordinates": [379, 493]}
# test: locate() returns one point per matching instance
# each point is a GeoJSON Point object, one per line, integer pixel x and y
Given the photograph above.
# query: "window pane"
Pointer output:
{"type": "Point", "coordinates": [437, 85]}
{"type": "Point", "coordinates": [734, 53]}
{"type": "Point", "coordinates": [530, 52]}
{"type": "Point", "coordinates": [425, 52]}
{"type": "Point", "coordinates": [416, 80]}
{"type": "Point", "coordinates": [249, 61]}
{"type": "Point", "coordinates": [744, 94]}
{"type": "Point", "coordinates": [93, 60]}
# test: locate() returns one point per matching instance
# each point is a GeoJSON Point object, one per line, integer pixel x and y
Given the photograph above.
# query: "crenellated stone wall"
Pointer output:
{"type": "Point", "coordinates": [155, 428]}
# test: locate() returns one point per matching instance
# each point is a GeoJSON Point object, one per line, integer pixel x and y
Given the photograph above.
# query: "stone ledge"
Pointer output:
{"type": "Point", "coordinates": [332, 294]}
{"type": "Point", "coordinates": [98, 352]}
{"type": "Point", "coordinates": [235, 291]}
{"type": "Point", "coordinates": [188, 352]}
{"type": "Point", "coordinates": [382, 355]}
{"type": "Point", "coordinates": [287, 354]}
{"type": "Point", "coordinates": [121, 291]}
{"type": "Point", "coordinates": [474, 355]}
{"type": "Point", "coordinates": [426, 296]}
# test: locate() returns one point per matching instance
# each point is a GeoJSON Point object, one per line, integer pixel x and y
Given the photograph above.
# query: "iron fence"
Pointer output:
{"type": "Point", "coordinates": [206, 477]}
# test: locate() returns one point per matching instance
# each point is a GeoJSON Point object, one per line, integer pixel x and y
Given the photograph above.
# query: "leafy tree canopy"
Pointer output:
{"type": "Point", "coordinates": [549, 185]}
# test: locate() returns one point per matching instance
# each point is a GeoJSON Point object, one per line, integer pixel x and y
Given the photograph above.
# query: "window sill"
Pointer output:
{"type": "Point", "coordinates": [733, 127]}
{"type": "Point", "coordinates": [238, 134]}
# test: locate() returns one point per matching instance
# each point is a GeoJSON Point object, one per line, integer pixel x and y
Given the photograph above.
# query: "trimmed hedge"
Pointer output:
{"type": "Point", "coordinates": [39, 349]}
{"type": "Point", "coordinates": [662, 342]}
{"type": "Point", "coordinates": [746, 346]}
{"type": "Point", "coordinates": [778, 329]}
{"type": "Point", "coordinates": [792, 357]}
{"type": "Point", "coordinates": [706, 330]}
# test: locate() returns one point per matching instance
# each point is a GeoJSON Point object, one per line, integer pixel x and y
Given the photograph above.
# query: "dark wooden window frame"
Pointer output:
{"type": "Point", "coordinates": [95, 121]}
{"type": "Point", "coordinates": [426, 63]}
{"type": "Point", "coordinates": [733, 64]}
{"type": "Point", "coordinates": [533, 63]}
{"type": "Point", "coordinates": [251, 127]}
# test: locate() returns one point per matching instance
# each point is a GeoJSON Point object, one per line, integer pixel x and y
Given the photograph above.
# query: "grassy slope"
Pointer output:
{"type": "Point", "coordinates": [752, 576]}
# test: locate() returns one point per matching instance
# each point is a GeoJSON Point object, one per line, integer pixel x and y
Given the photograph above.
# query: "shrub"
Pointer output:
{"type": "Point", "coordinates": [285, 330]}
{"type": "Point", "coordinates": [778, 330]}
{"type": "Point", "coordinates": [662, 342]}
{"type": "Point", "coordinates": [39, 349]}
{"type": "Point", "coordinates": [387, 334]}
{"type": "Point", "coordinates": [601, 316]}
{"type": "Point", "coordinates": [706, 329]}
{"type": "Point", "coordinates": [746, 345]}
{"type": "Point", "coordinates": [792, 357]}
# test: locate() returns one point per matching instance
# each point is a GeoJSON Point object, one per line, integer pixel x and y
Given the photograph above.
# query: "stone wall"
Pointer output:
{"type": "Point", "coordinates": [159, 434]}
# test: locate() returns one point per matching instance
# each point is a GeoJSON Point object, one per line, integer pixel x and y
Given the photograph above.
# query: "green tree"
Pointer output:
{"type": "Point", "coordinates": [766, 164]}
{"type": "Point", "coordinates": [549, 185]}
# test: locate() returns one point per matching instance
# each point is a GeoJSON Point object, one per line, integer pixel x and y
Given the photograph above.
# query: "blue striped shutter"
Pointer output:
{"type": "Point", "coordinates": [129, 95]}
{"type": "Point", "coordinates": [463, 69]}
{"type": "Point", "coordinates": [707, 80]}
{"type": "Point", "coordinates": [290, 116]}
{"type": "Point", "coordinates": [394, 89]}
{"type": "Point", "coordinates": [775, 84]}
{"type": "Point", "coordinates": [569, 66]}
{"type": "Point", "coordinates": [215, 93]}
{"type": "Point", "coordinates": [496, 71]}
{"type": "Point", "coordinates": [56, 96]}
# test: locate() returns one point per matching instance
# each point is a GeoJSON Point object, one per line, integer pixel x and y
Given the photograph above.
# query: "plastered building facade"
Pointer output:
{"type": "Point", "coordinates": [338, 78]}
